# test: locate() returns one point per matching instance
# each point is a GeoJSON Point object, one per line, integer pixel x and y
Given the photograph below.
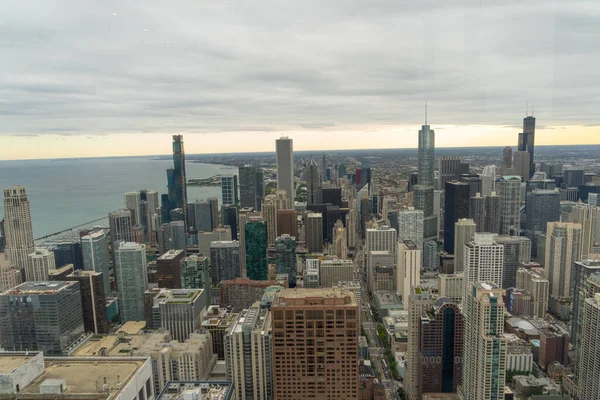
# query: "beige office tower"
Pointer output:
{"type": "Point", "coordinates": [249, 354]}
{"type": "Point", "coordinates": [269, 214]}
{"type": "Point", "coordinates": [484, 350]}
{"type": "Point", "coordinates": [315, 344]}
{"type": "Point", "coordinates": [332, 271]}
{"type": "Point", "coordinates": [340, 240]}
{"type": "Point", "coordinates": [133, 201]}
{"type": "Point", "coordinates": [408, 273]}
{"type": "Point", "coordinates": [534, 281]}
{"type": "Point", "coordinates": [419, 300]}
{"type": "Point", "coordinates": [17, 227]}
{"type": "Point", "coordinates": [521, 164]}
{"type": "Point", "coordinates": [283, 200]}
{"type": "Point", "coordinates": [563, 248]}
{"type": "Point", "coordinates": [589, 367]}
{"type": "Point", "coordinates": [284, 149]}
{"type": "Point", "coordinates": [9, 275]}
{"type": "Point", "coordinates": [244, 214]}
{"type": "Point", "coordinates": [464, 230]}
{"type": "Point", "coordinates": [585, 215]}
{"type": "Point", "coordinates": [40, 262]}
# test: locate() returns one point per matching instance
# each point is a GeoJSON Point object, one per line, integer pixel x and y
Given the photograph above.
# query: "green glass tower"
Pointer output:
{"type": "Point", "coordinates": [256, 249]}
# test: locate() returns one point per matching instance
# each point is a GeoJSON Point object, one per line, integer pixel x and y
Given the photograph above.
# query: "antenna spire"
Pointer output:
{"type": "Point", "coordinates": [425, 113]}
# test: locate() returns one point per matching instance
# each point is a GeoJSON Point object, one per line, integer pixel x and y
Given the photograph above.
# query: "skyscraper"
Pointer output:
{"type": "Point", "coordinates": [133, 202]}
{"type": "Point", "coordinates": [492, 213]}
{"type": "Point", "coordinates": [248, 187]}
{"type": "Point", "coordinates": [527, 141]}
{"type": "Point", "coordinates": [456, 206]}
{"type": "Point", "coordinates": [484, 261]}
{"type": "Point", "coordinates": [95, 255]}
{"type": "Point", "coordinates": [426, 156]}
{"type": "Point", "coordinates": [120, 224]}
{"type": "Point", "coordinates": [580, 273]}
{"type": "Point", "coordinates": [168, 269]}
{"type": "Point", "coordinates": [313, 183]}
{"type": "Point", "coordinates": [245, 214]}
{"type": "Point", "coordinates": [464, 231]}
{"type": "Point", "coordinates": [325, 360]}
{"type": "Point", "coordinates": [285, 258]}
{"type": "Point", "coordinates": [9, 275]}
{"type": "Point", "coordinates": [585, 215]}
{"type": "Point", "coordinates": [408, 274]}
{"type": "Point", "coordinates": [507, 159]}
{"type": "Point", "coordinates": [256, 249]}
{"type": "Point", "coordinates": [521, 165]}
{"type": "Point", "coordinates": [44, 316]}
{"type": "Point", "coordinates": [269, 213]}
{"type": "Point", "coordinates": [410, 226]}
{"type": "Point", "coordinates": [589, 368]}
{"type": "Point", "coordinates": [225, 260]}
{"type": "Point", "coordinates": [230, 218]}
{"type": "Point", "coordinates": [517, 250]}
{"type": "Point", "coordinates": [179, 176]}
{"type": "Point", "coordinates": [488, 180]}
{"type": "Point", "coordinates": [132, 275]}
{"type": "Point", "coordinates": [541, 207]}
{"type": "Point", "coordinates": [17, 226]}
{"type": "Point", "coordinates": [93, 299]}
{"type": "Point", "coordinates": [181, 312]}
{"type": "Point", "coordinates": [203, 216]}
{"type": "Point", "coordinates": [447, 167]}
{"type": "Point", "coordinates": [477, 211]}
{"type": "Point", "coordinates": [441, 348]}
{"type": "Point", "coordinates": [533, 281]}
{"type": "Point", "coordinates": [510, 204]}
{"type": "Point", "coordinates": [314, 232]}
{"type": "Point", "coordinates": [249, 354]}
{"type": "Point", "coordinates": [40, 262]}
{"type": "Point", "coordinates": [287, 223]}
{"type": "Point", "coordinates": [284, 147]}
{"type": "Point", "coordinates": [340, 240]}
{"type": "Point", "coordinates": [229, 189]}
{"type": "Point", "coordinates": [563, 248]}
{"type": "Point", "coordinates": [484, 351]}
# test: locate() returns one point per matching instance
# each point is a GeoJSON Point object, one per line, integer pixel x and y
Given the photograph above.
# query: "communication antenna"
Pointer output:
{"type": "Point", "coordinates": [425, 113]}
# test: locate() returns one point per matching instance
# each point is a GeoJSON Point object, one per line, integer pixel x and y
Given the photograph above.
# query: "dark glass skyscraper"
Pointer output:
{"type": "Point", "coordinates": [285, 258]}
{"type": "Point", "coordinates": [527, 141]}
{"type": "Point", "coordinates": [256, 249]}
{"type": "Point", "coordinates": [426, 155]}
{"type": "Point", "coordinates": [176, 180]}
{"type": "Point", "coordinates": [313, 183]}
{"type": "Point", "coordinates": [456, 206]}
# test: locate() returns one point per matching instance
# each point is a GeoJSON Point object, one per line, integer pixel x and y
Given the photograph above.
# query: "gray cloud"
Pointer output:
{"type": "Point", "coordinates": [216, 66]}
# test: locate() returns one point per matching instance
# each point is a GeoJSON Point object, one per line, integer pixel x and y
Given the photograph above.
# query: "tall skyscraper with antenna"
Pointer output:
{"type": "Point", "coordinates": [527, 140]}
{"type": "Point", "coordinates": [426, 154]}
{"type": "Point", "coordinates": [17, 226]}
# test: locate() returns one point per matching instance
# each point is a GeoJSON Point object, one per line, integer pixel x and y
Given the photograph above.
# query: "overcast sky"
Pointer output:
{"type": "Point", "coordinates": [118, 77]}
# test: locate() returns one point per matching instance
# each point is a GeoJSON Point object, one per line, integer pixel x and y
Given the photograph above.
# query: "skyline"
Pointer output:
{"type": "Point", "coordinates": [121, 75]}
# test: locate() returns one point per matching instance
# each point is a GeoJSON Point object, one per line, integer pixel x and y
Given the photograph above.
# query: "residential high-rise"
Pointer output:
{"type": "Point", "coordinates": [284, 148]}
{"type": "Point", "coordinates": [18, 233]}
{"type": "Point", "coordinates": [287, 223]}
{"type": "Point", "coordinates": [252, 187]}
{"type": "Point", "coordinates": [456, 206]}
{"type": "Point", "coordinates": [121, 226]}
{"type": "Point", "coordinates": [527, 141]}
{"type": "Point", "coordinates": [249, 354]}
{"type": "Point", "coordinates": [68, 252]}
{"type": "Point", "coordinates": [332, 271]}
{"type": "Point", "coordinates": [133, 203]}
{"type": "Point", "coordinates": [269, 213]}
{"type": "Point", "coordinates": [229, 189]}
{"type": "Point", "coordinates": [573, 177]}
{"type": "Point", "coordinates": [441, 348]}
{"type": "Point", "coordinates": [325, 365]}
{"type": "Point", "coordinates": [383, 238]}
{"type": "Point", "coordinates": [563, 248]}
{"type": "Point", "coordinates": [229, 212]}
{"type": "Point", "coordinates": [314, 232]}
{"type": "Point", "coordinates": [541, 207]}
{"type": "Point", "coordinates": [420, 300]}
{"type": "Point", "coordinates": [94, 246]}
{"type": "Point", "coordinates": [464, 230]}
{"type": "Point", "coordinates": [168, 269]}
{"type": "Point", "coordinates": [484, 351]}
{"type": "Point", "coordinates": [214, 211]}
{"type": "Point", "coordinates": [477, 212]}
{"type": "Point", "coordinates": [426, 155]}
{"type": "Point", "coordinates": [182, 311]}
{"type": "Point", "coordinates": [517, 250]}
{"type": "Point", "coordinates": [521, 165]}
{"type": "Point", "coordinates": [492, 213]}
{"type": "Point", "coordinates": [431, 261]}
{"type": "Point", "coordinates": [510, 204]}
{"type": "Point", "coordinates": [451, 286]}
{"type": "Point", "coordinates": [225, 260]}
{"type": "Point", "coordinates": [217, 321]}
{"type": "Point", "coordinates": [408, 273]}
{"type": "Point", "coordinates": [44, 316]}
{"type": "Point", "coordinates": [534, 281]}
{"type": "Point", "coordinates": [488, 180]}
{"type": "Point", "coordinates": [241, 293]}
{"type": "Point", "coordinates": [447, 167]}
{"type": "Point", "coordinates": [93, 299]}
{"type": "Point", "coordinates": [484, 261]}
{"type": "Point", "coordinates": [195, 273]}
{"type": "Point", "coordinates": [132, 275]}
{"type": "Point", "coordinates": [40, 262]}
{"type": "Point", "coordinates": [203, 216]}
{"type": "Point", "coordinates": [589, 368]}
{"type": "Point", "coordinates": [580, 273]}
{"type": "Point", "coordinates": [586, 216]}
{"type": "Point", "coordinates": [410, 226]}
{"type": "Point", "coordinates": [178, 235]}
{"type": "Point", "coordinates": [256, 249]}
{"type": "Point", "coordinates": [313, 183]}
{"type": "Point", "coordinates": [285, 258]}
{"type": "Point", "coordinates": [178, 185]}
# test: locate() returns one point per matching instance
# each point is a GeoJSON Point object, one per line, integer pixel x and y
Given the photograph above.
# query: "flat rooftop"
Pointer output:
{"type": "Point", "coordinates": [10, 362]}
{"type": "Point", "coordinates": [86, 375]}
{"type": "Point", "coordinates": [170, 255]}
{"type": "Point", "coordinates": [199, 390]}
{"type": "Point", "coordinates": [132, 327]}
{"type": "Point", "coordinates": [285, 295]}
{"type": "Point", "coordinates": [31, 287]}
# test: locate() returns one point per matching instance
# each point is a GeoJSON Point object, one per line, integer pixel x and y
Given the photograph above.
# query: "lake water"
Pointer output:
{"type": "Point", "coordinates": [66, 193]}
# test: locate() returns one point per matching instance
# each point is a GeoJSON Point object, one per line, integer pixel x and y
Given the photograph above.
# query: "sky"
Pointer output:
{"type": "Point", "coordinates": [91, 79]}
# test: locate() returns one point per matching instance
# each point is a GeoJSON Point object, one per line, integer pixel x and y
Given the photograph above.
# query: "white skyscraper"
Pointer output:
{"type": "Point", "coordinates": [589, 367]}
{"type": "Point", "coordinates": [133, 202]}
{"type": "Point", "coordinates": [408, 273]}
{"type": "Point", "coordinates": [484, 260]}
{"type": "Point", "coordinates": [40, 262]}
{"type": "Point", "coordinates": [94, 247]}
{"type": "Point", "coordinates": [563, 248]}
{"type": "Point", "coordinates": [381, 239]}
{"type": "Point", "coordinates": [284, 148]}
{"type": "Point", "coordinates": [488, 180]}
{"type": "Point", "coordinates": [484, 350]}
{"type": "Point", "coordinates": [464, 230]}
{"type": "Point", "coordinates": [132, 276]}
{"type": "Point", "coordinates": [17, 226]}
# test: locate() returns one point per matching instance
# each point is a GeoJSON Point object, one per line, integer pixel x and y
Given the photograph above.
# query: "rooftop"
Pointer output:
{"type": "Point", "coordinates": [12, 361]}
{"type": "Point", "coordinates": [170, 255]}
{"type": "Point", "coordinates": [132, 327]}
{"type": "Point", "coordinates": [37, 288]}
{"type": "Point", "coordinates": [197, 390]}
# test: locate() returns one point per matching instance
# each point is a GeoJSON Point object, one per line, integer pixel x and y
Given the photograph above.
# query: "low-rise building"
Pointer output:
{"type": "Point", "coordinates": [198, 390]}
{"type": "Point", "coordinates": [217, 321]}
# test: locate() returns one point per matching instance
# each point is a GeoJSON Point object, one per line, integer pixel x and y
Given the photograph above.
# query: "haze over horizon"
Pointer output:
{"type": "Point", "coordinates": [112, 79]}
